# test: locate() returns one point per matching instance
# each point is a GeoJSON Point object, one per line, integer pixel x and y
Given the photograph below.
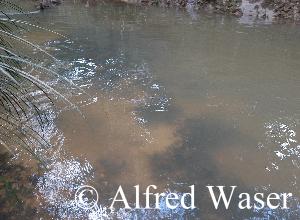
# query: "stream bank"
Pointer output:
{"type": "Point", "coordinates": [277, 10]}
{"type": "Point", "coordinates": [260, 9]}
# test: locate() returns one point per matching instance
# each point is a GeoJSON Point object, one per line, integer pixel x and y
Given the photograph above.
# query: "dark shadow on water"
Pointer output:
{"type": "Point", "coordinates": [192, 160]}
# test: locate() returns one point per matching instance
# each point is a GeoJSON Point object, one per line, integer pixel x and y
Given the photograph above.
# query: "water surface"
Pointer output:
{"type": "Point", "coordinates": [178, 99]}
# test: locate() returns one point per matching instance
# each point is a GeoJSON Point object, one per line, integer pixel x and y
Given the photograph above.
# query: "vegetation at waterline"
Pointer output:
{"type": "Point", "coordinates": [24, 101]}
{"type": "Point", "coordinates": [17, 103]}
{"type": "Point", "coordinates": [21, 89]}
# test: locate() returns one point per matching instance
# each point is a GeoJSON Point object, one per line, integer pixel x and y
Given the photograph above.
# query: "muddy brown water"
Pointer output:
{"type": "Point", "coordinates": [179, 99]}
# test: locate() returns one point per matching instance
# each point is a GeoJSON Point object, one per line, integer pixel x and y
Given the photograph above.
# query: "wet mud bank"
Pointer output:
{"type": "Point", "coordinates": [16, 187]}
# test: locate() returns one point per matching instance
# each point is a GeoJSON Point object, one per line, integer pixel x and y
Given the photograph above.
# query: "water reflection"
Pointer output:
{"type": "Point", "coordinates": [282, 147]}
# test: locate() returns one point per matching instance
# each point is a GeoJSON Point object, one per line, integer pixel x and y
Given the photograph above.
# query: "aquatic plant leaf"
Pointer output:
{"type": "Point", "coordinates": [19, 87]}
